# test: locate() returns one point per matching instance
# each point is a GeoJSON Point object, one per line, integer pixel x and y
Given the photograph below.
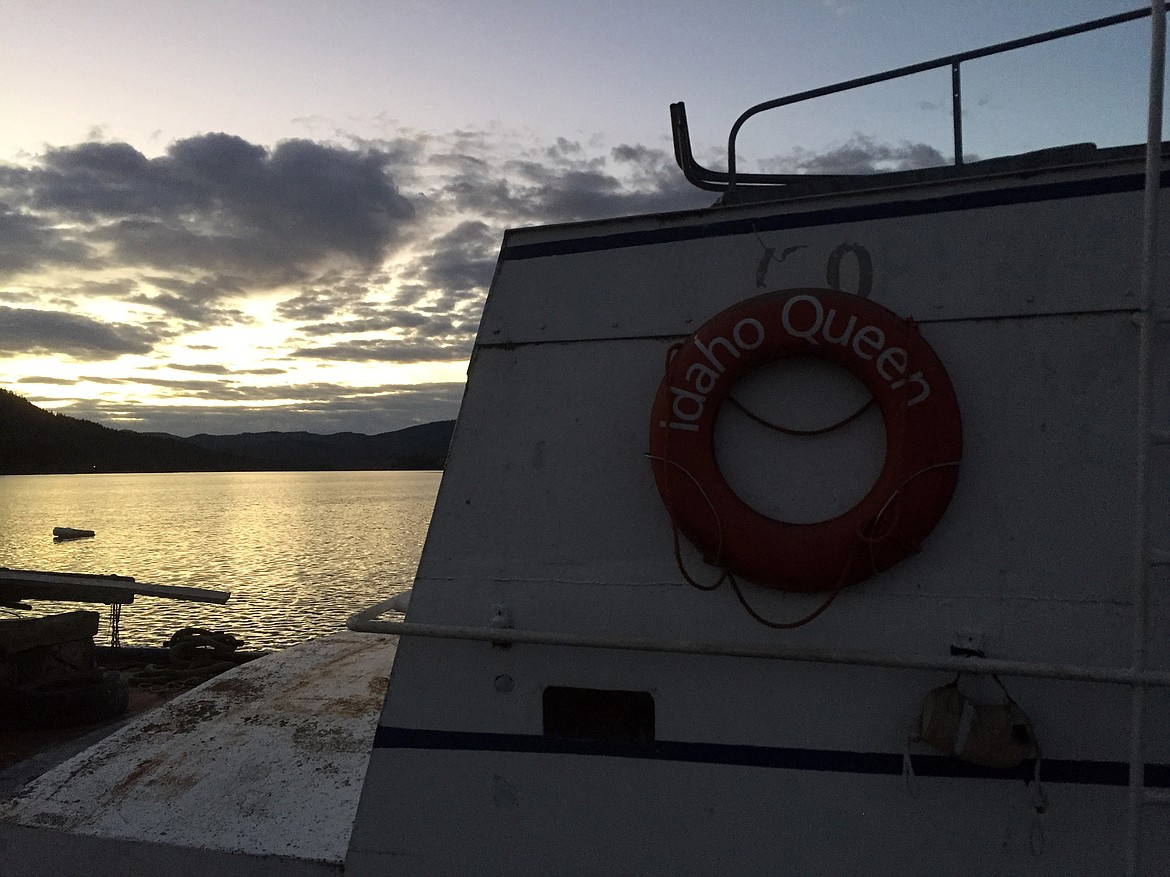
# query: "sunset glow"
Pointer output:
{"type": "Point", "coordinates": [228, 217]}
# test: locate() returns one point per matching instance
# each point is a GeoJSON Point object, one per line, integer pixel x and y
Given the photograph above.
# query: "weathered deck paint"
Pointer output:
{"type": "Point", "coordinates": [258, 769]}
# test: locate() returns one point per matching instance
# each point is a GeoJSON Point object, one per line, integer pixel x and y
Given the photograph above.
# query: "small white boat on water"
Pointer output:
{"type": "Point", "coordinates": [690, 605]}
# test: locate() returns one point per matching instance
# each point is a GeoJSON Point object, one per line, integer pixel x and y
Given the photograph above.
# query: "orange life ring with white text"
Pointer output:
{"type": "Point", "coordinates": [923, 439]}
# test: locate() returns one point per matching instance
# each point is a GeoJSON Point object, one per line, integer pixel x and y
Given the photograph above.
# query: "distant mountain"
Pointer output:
{"type": "Point", "coordinates": [416, 447]}
{"type": "Point", "coordinates": [35, 441]}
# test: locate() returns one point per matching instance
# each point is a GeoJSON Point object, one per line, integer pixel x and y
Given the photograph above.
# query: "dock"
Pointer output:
{"type": "Point", "coordinates": [26, 584]}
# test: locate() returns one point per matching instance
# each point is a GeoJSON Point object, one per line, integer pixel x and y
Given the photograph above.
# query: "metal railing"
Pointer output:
{"type": "Point", "coordinates": [367, 621]}
{"type": "Point", "coordinates": [719, 181]}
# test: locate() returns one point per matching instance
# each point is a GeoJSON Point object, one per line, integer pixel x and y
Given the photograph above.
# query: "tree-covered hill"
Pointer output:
{"type": "Point", "coordinates": [35, 441]}
{"type": "Point", "coordinates": [416, 447]}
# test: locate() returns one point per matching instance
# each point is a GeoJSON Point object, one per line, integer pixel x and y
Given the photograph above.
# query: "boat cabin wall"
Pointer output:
{"type": "Point", "coordinates": [1025, 289]}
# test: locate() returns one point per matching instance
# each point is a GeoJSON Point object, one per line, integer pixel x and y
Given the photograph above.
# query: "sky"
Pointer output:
{"type": "Point", "coordinates": [224, 216]}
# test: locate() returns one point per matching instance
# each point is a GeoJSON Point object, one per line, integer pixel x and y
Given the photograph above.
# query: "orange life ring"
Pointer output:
{"type": "Point", "coordinates": [923, 439]}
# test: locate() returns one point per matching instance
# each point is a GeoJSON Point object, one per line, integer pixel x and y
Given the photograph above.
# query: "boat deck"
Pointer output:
{"type": "Point", "coordinates": [222, 773]}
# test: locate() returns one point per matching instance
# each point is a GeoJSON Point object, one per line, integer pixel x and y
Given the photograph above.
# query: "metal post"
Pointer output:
{"type": "Point", "coordinates": [957, 112]}
{"type": "Point", "coordinates": [1147, 315]}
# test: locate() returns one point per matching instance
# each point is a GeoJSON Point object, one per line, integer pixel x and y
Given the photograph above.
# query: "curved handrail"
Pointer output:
{"type": "Point", "coordinates": [719, 181]}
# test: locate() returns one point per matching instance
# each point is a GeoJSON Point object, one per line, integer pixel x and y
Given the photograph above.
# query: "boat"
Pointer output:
{"type": "Point", "coordinates": [639, 642]}
{"type": "Point", "coordinates": [590, 678]}
{"type": "Point", "coordinates": [71, 533]}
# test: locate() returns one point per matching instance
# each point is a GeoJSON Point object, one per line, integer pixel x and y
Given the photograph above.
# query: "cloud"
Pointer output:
{"type": "Point", "coordinates": [212, 368]}
{"type": "Point", "coordinates": [194, 301]}
{"type": "Point", "coordinates": [432, 317]}
{"type": "Point", "coordinates": [461, 260]}
{"type": "Point", "coordinates": [38, 379]}
{"type": "Point", "coordinates": [383, 319]}
{"type": "Point", "coordinates": [213, 203]}
{"type": "Point", "coordinates": [20, 296]}
{"type": "Point", "coordinates": [29, 242]}
{"type": "Point", "coordinates": [206, 368]}
{"type": "Point", "coordinates": [843, 8]}
{"type": "Point", "coordinates": [26, 330]}
{"type": "Point", "coordinates": [562, 182]}
{"type": "Point", "coordinates": [391, 350]}
{"type": "Point", "coordinates": [861, 154]}
{"type": "Point", "coordinates": [330, 295]}
{"type": "Point", "coordinates": [319, 408]}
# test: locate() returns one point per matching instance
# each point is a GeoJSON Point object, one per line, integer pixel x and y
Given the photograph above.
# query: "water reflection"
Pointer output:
{"type": "Point", "coordinates": [300, 551]}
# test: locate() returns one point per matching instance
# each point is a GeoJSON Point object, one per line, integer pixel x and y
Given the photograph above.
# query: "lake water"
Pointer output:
{"type": "Point", "coordinates": [300, 551]}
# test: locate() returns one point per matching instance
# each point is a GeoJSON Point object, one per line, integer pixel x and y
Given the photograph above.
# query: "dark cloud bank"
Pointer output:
{"type": "Point", "coordinates": [185, 237]}
{"type": "Point", "coordinates": [27, 330]}
{"type": "Point", "coordinates": [215, 204]}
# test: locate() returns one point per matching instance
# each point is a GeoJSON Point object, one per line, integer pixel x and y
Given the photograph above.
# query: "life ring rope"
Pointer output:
{"type": "Point", "coordinates": [788, 430]}
{"type": "Point", "coordinates": [728, 576]}
{"type": "Point", "coordinates": [893, 496]}
{"type": "Point", "coordinates": [690, 580]}
{"type": "Point", "coordinates": [789, 625]}
{"type": "Point", "coordinates": [784, 430]}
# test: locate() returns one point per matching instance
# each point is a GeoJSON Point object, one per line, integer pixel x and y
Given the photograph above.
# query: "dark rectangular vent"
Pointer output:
{"type": "Point", "coordinates": [598, 714]}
